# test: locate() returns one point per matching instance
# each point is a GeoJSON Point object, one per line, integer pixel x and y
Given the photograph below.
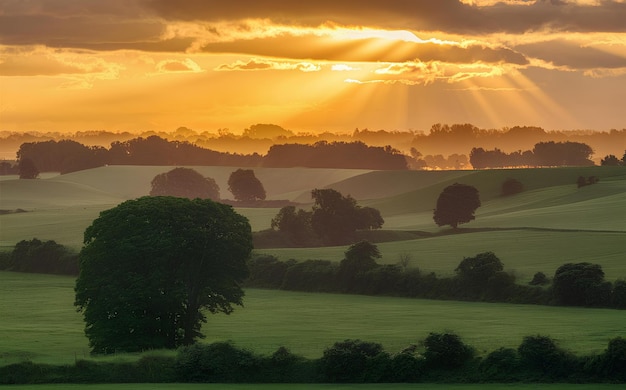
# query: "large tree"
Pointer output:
{"type": "Point", "coordinates": [186, 183]}
{"type": "Point", "coordinates": [456, 204]}
{"type": "Point", "coordinates": [151, 267]}
{"type": "Point", "coordinates": [245, 186]}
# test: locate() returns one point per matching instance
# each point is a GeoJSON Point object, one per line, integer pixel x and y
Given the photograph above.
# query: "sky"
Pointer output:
{"type": "Point", "coordinates": [311, 66]}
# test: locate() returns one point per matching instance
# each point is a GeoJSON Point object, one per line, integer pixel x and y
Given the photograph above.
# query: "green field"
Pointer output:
{"type": "Point", "coordinates": [551, 223]}
{"type": "Point", "coordinates": [39, 322]}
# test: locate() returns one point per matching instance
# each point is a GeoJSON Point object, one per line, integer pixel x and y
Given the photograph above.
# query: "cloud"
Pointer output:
{"type": "Point", "coordinates": [261, 64]}
{"type": "Point", "coordinates": [178, 66]}
{"type": "Point", "coordinates": [441, 15]}
{"type": "Point", "coordinates": [573, 55]}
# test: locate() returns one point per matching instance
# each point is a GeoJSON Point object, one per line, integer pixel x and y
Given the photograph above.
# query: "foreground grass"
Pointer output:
{"type": "Point", "coordinates": [290, 386]}
{"type": "Point", "coordinates": [39, 322]}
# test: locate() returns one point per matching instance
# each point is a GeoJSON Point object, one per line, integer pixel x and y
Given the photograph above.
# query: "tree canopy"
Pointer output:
{"type": "Point", "coordinates": [456, 204]}
{"type": "Point", "coordinates": [186, 183]}
{"type": "Point", "coordinates": [336, 217]}
{"type": "Point", "coordinates": [151, 267]}
{"type": "Point", "coordinates": [245, 186]}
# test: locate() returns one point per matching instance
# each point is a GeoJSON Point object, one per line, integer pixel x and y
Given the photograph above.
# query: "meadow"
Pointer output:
{"type": "Point", "coordinates": [552, 222]}
{"type": "Point", "coordinates": [39, 322]}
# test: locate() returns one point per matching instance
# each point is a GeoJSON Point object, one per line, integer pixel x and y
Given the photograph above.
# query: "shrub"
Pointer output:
{"type": "Point", "coordinates": [511, 187]}
{"type": "Point", "coordinates": [501, 365]}
{"type": "Point", "coordinates": [614, 359]}
{"type": "Point", "coordinates": [446, 350]}
{"type": "Point", "coordinates": [619, 294]}
{"type": "Point", "coordinates": [349, 360]}
{"type": "Point", "coordinates": [539, 279]}
{"type": "Point", "coordinates": [406, 367]}
{"type": "Point", "coordinates": [43, 257]}
{"type": "Point", "coordinates": [217, 362]}
{"type": "Point", "coordinates": [540, 353]}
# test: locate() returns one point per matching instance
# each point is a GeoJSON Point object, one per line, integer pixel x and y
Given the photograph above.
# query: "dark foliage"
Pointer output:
{"type": "Point", "coordinates": [335, 155]}
{"type": "Point", "coordinates": [186, 183]}
{"type": "Point", "coordinates": [511, 187]}
{"type": "Point", "coordinates": [28, 169]}
{"type": "Point", "coordinates": [245, 186]}
{"type": "Point", "coordinates": [151, 267]}
{"type": "Point", "coordinates": [501, 365]}
{"type": "Point", "coordinates": [335, 218]}
{"type": "Point", "coordinates": [46, 257]}
{"type": "Point", "coordinates": [446, 359]}
{"type": "Point", "coordinates": [610, 160]}
{"type": "Point", "coordinates": [446, 350]}
{"type": "Point", "coordinates": [218, 362]}
{"type": "Point", "coordinates": [542, 355]}
{"type": "Point", "coordinates": [539, 279]}
{"type": "Point", "coordinates": [62, 156]}
{"type": "Point", "coordinates": [353, 361]}
{"type": "Point", "coordinates": [294, 225]}
{"type": "Point", "coordinates": [456, 205]}
{"type": "Point", "coordinates": [8, 168]}
{"type": "Point", "coordinates": [580, 284]}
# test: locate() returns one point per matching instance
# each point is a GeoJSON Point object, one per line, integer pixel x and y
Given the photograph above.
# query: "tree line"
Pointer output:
{"type": "Point", "coordinates": [478, 278]}
{"type": "Point", "coordinates": [440, 357]}
{"type": "Point", "coordinates": [434, 142]}
{"type": "Point", "coordinates": [68, 156]}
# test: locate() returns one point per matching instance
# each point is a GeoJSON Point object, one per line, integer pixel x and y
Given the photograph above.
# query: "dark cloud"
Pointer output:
{"type": "Point", "coordinates": [571, 55]}
{"type": "Point", "coordinates": [441, 15]}
{"type": "Point", "coordinates": [364, 50]}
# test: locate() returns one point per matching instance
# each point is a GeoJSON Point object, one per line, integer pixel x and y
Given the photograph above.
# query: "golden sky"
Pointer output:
{"type": "Point", "coordinates": [137, 65]}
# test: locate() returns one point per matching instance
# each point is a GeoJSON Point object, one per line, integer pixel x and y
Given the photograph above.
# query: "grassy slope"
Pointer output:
{"type": "Point", "coordinates": [63, 206]}
{"type": "Point", "coordinates": [39, 322]}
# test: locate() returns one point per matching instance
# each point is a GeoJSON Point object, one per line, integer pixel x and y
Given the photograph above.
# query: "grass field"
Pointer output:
{"type": "Point", "coordinates": [551, 223]}
{"type": "Point", "coordinates": [39, 322]}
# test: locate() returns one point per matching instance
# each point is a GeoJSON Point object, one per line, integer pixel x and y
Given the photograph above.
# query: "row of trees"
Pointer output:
{"type": "Point", "coordinates": [68, 156]}
{"type": "Point", "coordinates": [478, 278]}
{"type": "Point", "coordinates": [189, 183]}
{"type": "Point", "coordinates": [544, 154]}
{"type": "Point", "coordinates": [441, 357]}
{"type": "Point", "coordinates": [333, 220]}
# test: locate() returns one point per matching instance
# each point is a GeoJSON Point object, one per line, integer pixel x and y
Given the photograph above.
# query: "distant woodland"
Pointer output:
{"type": "Point", "coordinates": [458, 146]}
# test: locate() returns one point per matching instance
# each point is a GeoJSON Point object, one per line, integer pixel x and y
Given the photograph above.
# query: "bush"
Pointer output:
{"type": "Point", "coordinates": [618, 298]}
{"type": "Point", "coordinates": [406, 367]}
{"type": "Point", "coordinates": [43, 257]}
{"type": "Point", "coordinates": [511, 187]}
{"type": "Point", "coordinates": [501, 365]}
{"type": "Point", "coordinates": [614, 359]}
{"type": "Point", "coordinates": [539, 279]}
{"type": "Point", "coordinates": [217, 362]}
{"type": "Point", "coordinates": [446, 350]}
{"type": "Point", "coordinates": [541, 354]}
{"type": "Point", "coordinates": [350, 361]}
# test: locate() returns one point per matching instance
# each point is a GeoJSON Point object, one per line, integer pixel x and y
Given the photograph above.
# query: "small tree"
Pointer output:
{"type": "Point", "coordinates": [456, 204]}
{"type": "Point", "coordinates": [610, 160]}
{"type": "Point", "coordinates": [296, 225]}
{"type": "Point", "coordinates": [27, 169]}
{"type": "Point", "coordinates": [186, 183]}
{"type": "Point", "coordinates": [511, 187]}
{"type": "Point", "coordinates": [245, 186]}
{"type": "Point", "coordinates": [359, 258]}
{"type": "Point", "coordinates": [578, 284]}
{"type": "Point", "coordinates": [336, 217]}
{"type": "Point", "coordinates": [348, 361]}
